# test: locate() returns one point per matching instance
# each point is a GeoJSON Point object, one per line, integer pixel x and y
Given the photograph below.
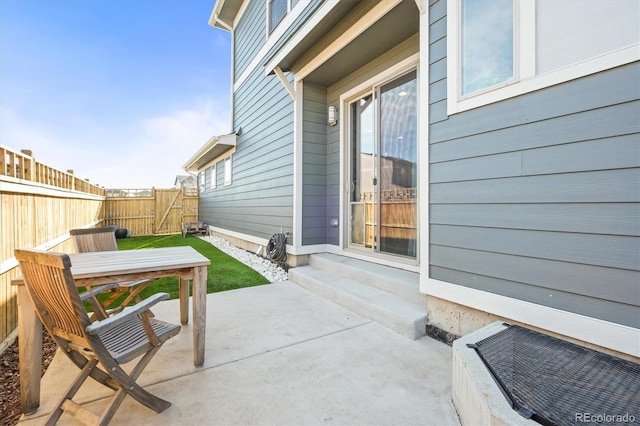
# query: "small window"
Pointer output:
{"type": "Point", "coordinates": [213, 177]}
{"type": "Point", "coordinates": [201, 181]}
{"type": "Point", "coordinates": [487, 43]}
{"type": "Point", "coordinates": [276, 11]}
{"type": "Point", "coordinates": [227, 171]}
{"type": "Point", "coordinates": [498, 49]}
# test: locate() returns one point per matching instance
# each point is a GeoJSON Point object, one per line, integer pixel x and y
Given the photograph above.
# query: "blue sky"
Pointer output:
{"type": "Point", "coordinates": [123, 91]}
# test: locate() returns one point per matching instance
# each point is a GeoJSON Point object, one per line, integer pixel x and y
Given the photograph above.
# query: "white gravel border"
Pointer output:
{"type": "Point", "coordinates": [263, 266]}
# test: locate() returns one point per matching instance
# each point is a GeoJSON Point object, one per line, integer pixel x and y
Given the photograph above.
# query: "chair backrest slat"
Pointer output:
{"type": "Point", "coordinates": [95, 239]}
{"type": "Point", "coordinates": [50, 285]}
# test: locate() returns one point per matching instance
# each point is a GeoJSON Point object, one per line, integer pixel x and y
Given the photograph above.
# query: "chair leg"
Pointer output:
{"type": "Point", "coordinates": [71, 391]}
{"type": "Point", "coordinates": [127, 382]}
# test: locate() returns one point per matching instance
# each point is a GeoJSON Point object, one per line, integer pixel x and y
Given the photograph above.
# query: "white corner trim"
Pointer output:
{"type": "Point", "coordinates": [593, 330]}
{"type": "Point", "coordinates": [298, 155]}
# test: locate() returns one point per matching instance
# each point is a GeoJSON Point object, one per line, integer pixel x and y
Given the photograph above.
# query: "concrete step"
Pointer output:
{"type": "Point", "coordinates": [390, 310]}
{"type": "Point", "coordinates": [402, 283]}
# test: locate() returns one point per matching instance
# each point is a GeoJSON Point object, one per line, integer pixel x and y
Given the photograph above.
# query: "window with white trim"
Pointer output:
{"type": "Point", "coordinates": [227, 171]}
{"type": "Point", "coordinates": [201, 183]}
{"type": "Point", "coordinates": [213, 177]}
{"type": "Point", "coordinates": [498, 49]}
{"type": "Point", "coordinates": [276, 11]}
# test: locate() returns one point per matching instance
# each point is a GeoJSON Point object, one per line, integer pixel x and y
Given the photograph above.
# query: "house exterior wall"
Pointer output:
{"type": "Point", "coordinates": [259, 200]}
{"type": "Point", "coordinates": [537, 197]}
{"type": "Point", "coordinates": [249, 36]}
{"type": "Point", "coordinates": [314, 165]}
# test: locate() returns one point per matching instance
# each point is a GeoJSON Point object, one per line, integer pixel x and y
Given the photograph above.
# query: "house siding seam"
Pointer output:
{"type": "Point", "coordinates": [538, 197]}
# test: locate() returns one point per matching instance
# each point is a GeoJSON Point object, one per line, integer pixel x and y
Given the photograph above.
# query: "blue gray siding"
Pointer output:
{"type": "Point", "coordinates": [259, 201]}
{"type": "Point", "coordinates": [538, 197]}
{"type": "Point", "coordinates": [314, 165]}
{"type": "Point", "coordinates": [249, 36]}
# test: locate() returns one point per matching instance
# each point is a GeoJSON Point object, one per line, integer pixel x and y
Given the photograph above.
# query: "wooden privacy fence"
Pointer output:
{"type": "Point", "coordinates": [38, 206]}
{"type": "Point", "coordinates": [151, 211]}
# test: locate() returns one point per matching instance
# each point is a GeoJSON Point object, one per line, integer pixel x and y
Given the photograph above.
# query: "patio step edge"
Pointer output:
{"type": "Point", "coordinates": [396, 313]}
{"type": "Point", "coordinates": [399, 282]}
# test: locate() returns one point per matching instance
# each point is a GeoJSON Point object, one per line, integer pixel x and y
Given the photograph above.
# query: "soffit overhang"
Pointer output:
{"type": "Point", "coordinates": [214, 148]}
{"type": "Point", "coordinates": [224, 13]}
{"type": "Point", "coordinates": [395, 26]}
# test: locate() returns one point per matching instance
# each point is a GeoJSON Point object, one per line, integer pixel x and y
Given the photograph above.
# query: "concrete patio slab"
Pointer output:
{"type": "Point", "coordinates": [280, 355]}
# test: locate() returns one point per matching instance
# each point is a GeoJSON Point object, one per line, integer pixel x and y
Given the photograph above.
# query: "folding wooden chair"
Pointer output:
{"type": "Point", "coordinates": [98, 348]}
{"type": "Point", "coordinates": [104, 239]}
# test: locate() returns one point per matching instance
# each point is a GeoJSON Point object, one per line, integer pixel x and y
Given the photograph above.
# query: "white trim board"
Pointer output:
{"type": "Point", "coordinates": [258, 59]}
{"type": "Point", "coordinates": [593, 330]}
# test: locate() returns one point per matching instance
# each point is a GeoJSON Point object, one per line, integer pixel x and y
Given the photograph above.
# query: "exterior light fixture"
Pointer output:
{"type": "Point", "coordinates": [331, 116]}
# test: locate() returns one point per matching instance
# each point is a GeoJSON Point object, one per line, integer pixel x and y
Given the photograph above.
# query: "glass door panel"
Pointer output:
{"type": "Point", "coordinates": [383, 168]}
{"type": "Point", "coordinates": [362, 147]}
{"type": "Point", "coordinates": [398, 167]}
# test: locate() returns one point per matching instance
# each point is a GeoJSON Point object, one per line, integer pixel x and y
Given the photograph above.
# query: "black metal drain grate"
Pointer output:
{"type": "Point", "coordinates": [555, 382]}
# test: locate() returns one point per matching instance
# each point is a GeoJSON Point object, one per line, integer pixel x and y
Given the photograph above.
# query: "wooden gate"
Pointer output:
{"type": "Point", "coordinates": [151, 211]}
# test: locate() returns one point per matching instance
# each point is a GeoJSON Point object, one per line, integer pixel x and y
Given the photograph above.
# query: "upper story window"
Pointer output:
{"type": "Point", "coordinates": [277, 10]}
{"type": "Point", "coordinates": [487, 44]}
{"type": "Point", "coordinates": [227, 171]}
{"type": "Point", "coordinates": [201, 184]}
{"type": "Point", "coordinates": [498, 49]}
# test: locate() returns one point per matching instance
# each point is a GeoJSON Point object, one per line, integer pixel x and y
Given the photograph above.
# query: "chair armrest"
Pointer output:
{"type": "Point", "coordinates": [107, 324]}
{"type": "Point", "coordinates": [97, 290]}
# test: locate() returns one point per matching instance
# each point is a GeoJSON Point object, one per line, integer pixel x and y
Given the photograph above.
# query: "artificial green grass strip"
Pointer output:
{"type": "Point", "coordinates": [224, 273]}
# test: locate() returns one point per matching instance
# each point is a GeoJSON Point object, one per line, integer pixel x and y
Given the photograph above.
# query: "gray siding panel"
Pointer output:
{"type": "Point", "coordinates": [249, 35]}
{"type": "Point", "coordinates": [613, 251]}
{"type": "Point", "coordinates": [595, 218]}
{"type": "Point", "coordinates": [587, 280]}
{"type": "Point", "coordinates": [538, 197]}
{"type": "Point", "coordinates": [314, 165]}
{"type": "Point", "coordinates": [259, 201]}
{"type": "Point", "coordinates": [621, 313]}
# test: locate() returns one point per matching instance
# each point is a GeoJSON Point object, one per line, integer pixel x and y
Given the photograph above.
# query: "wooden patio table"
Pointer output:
{"type": "Point", "coordinates": [104, 267]}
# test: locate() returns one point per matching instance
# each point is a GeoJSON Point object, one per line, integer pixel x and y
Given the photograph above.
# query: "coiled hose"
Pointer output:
{"type": "Point", "coordinates": [277, 248]}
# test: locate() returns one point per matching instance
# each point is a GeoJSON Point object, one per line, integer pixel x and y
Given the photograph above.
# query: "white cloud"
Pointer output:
{"type": "Point", "coordinates": [145, 152]}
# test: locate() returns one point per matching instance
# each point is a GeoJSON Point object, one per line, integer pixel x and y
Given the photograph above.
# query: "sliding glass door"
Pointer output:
{"type": "Point", "coordinates": [383, 168]}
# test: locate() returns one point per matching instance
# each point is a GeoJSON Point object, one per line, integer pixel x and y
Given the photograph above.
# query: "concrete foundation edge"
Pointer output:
{"type": "Point", "coordinates": [476, 396]}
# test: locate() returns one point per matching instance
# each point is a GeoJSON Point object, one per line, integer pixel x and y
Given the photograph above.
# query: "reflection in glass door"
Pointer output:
{"type": "Point", "coordinates": [362, 159]}
{"type": "Point", "coordinates": [383, 168]}
{"type": "Point", "coordinates": [398, 167]}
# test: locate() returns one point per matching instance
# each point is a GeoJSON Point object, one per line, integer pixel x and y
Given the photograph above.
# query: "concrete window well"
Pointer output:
{"type": "Point", "coordinates": [507, 374]}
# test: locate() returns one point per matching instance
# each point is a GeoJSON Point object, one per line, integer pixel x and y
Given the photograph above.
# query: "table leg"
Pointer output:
{"type": "Point", "coordinates": [183, 291]}
{"type": "Point", "coordinates": [30, 352]}
{"type": "Point", "coordinates": [199, 297]}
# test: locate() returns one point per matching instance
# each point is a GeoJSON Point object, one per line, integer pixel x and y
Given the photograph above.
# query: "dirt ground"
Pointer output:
{"type": "Point", "coordinates": [10, 407]}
